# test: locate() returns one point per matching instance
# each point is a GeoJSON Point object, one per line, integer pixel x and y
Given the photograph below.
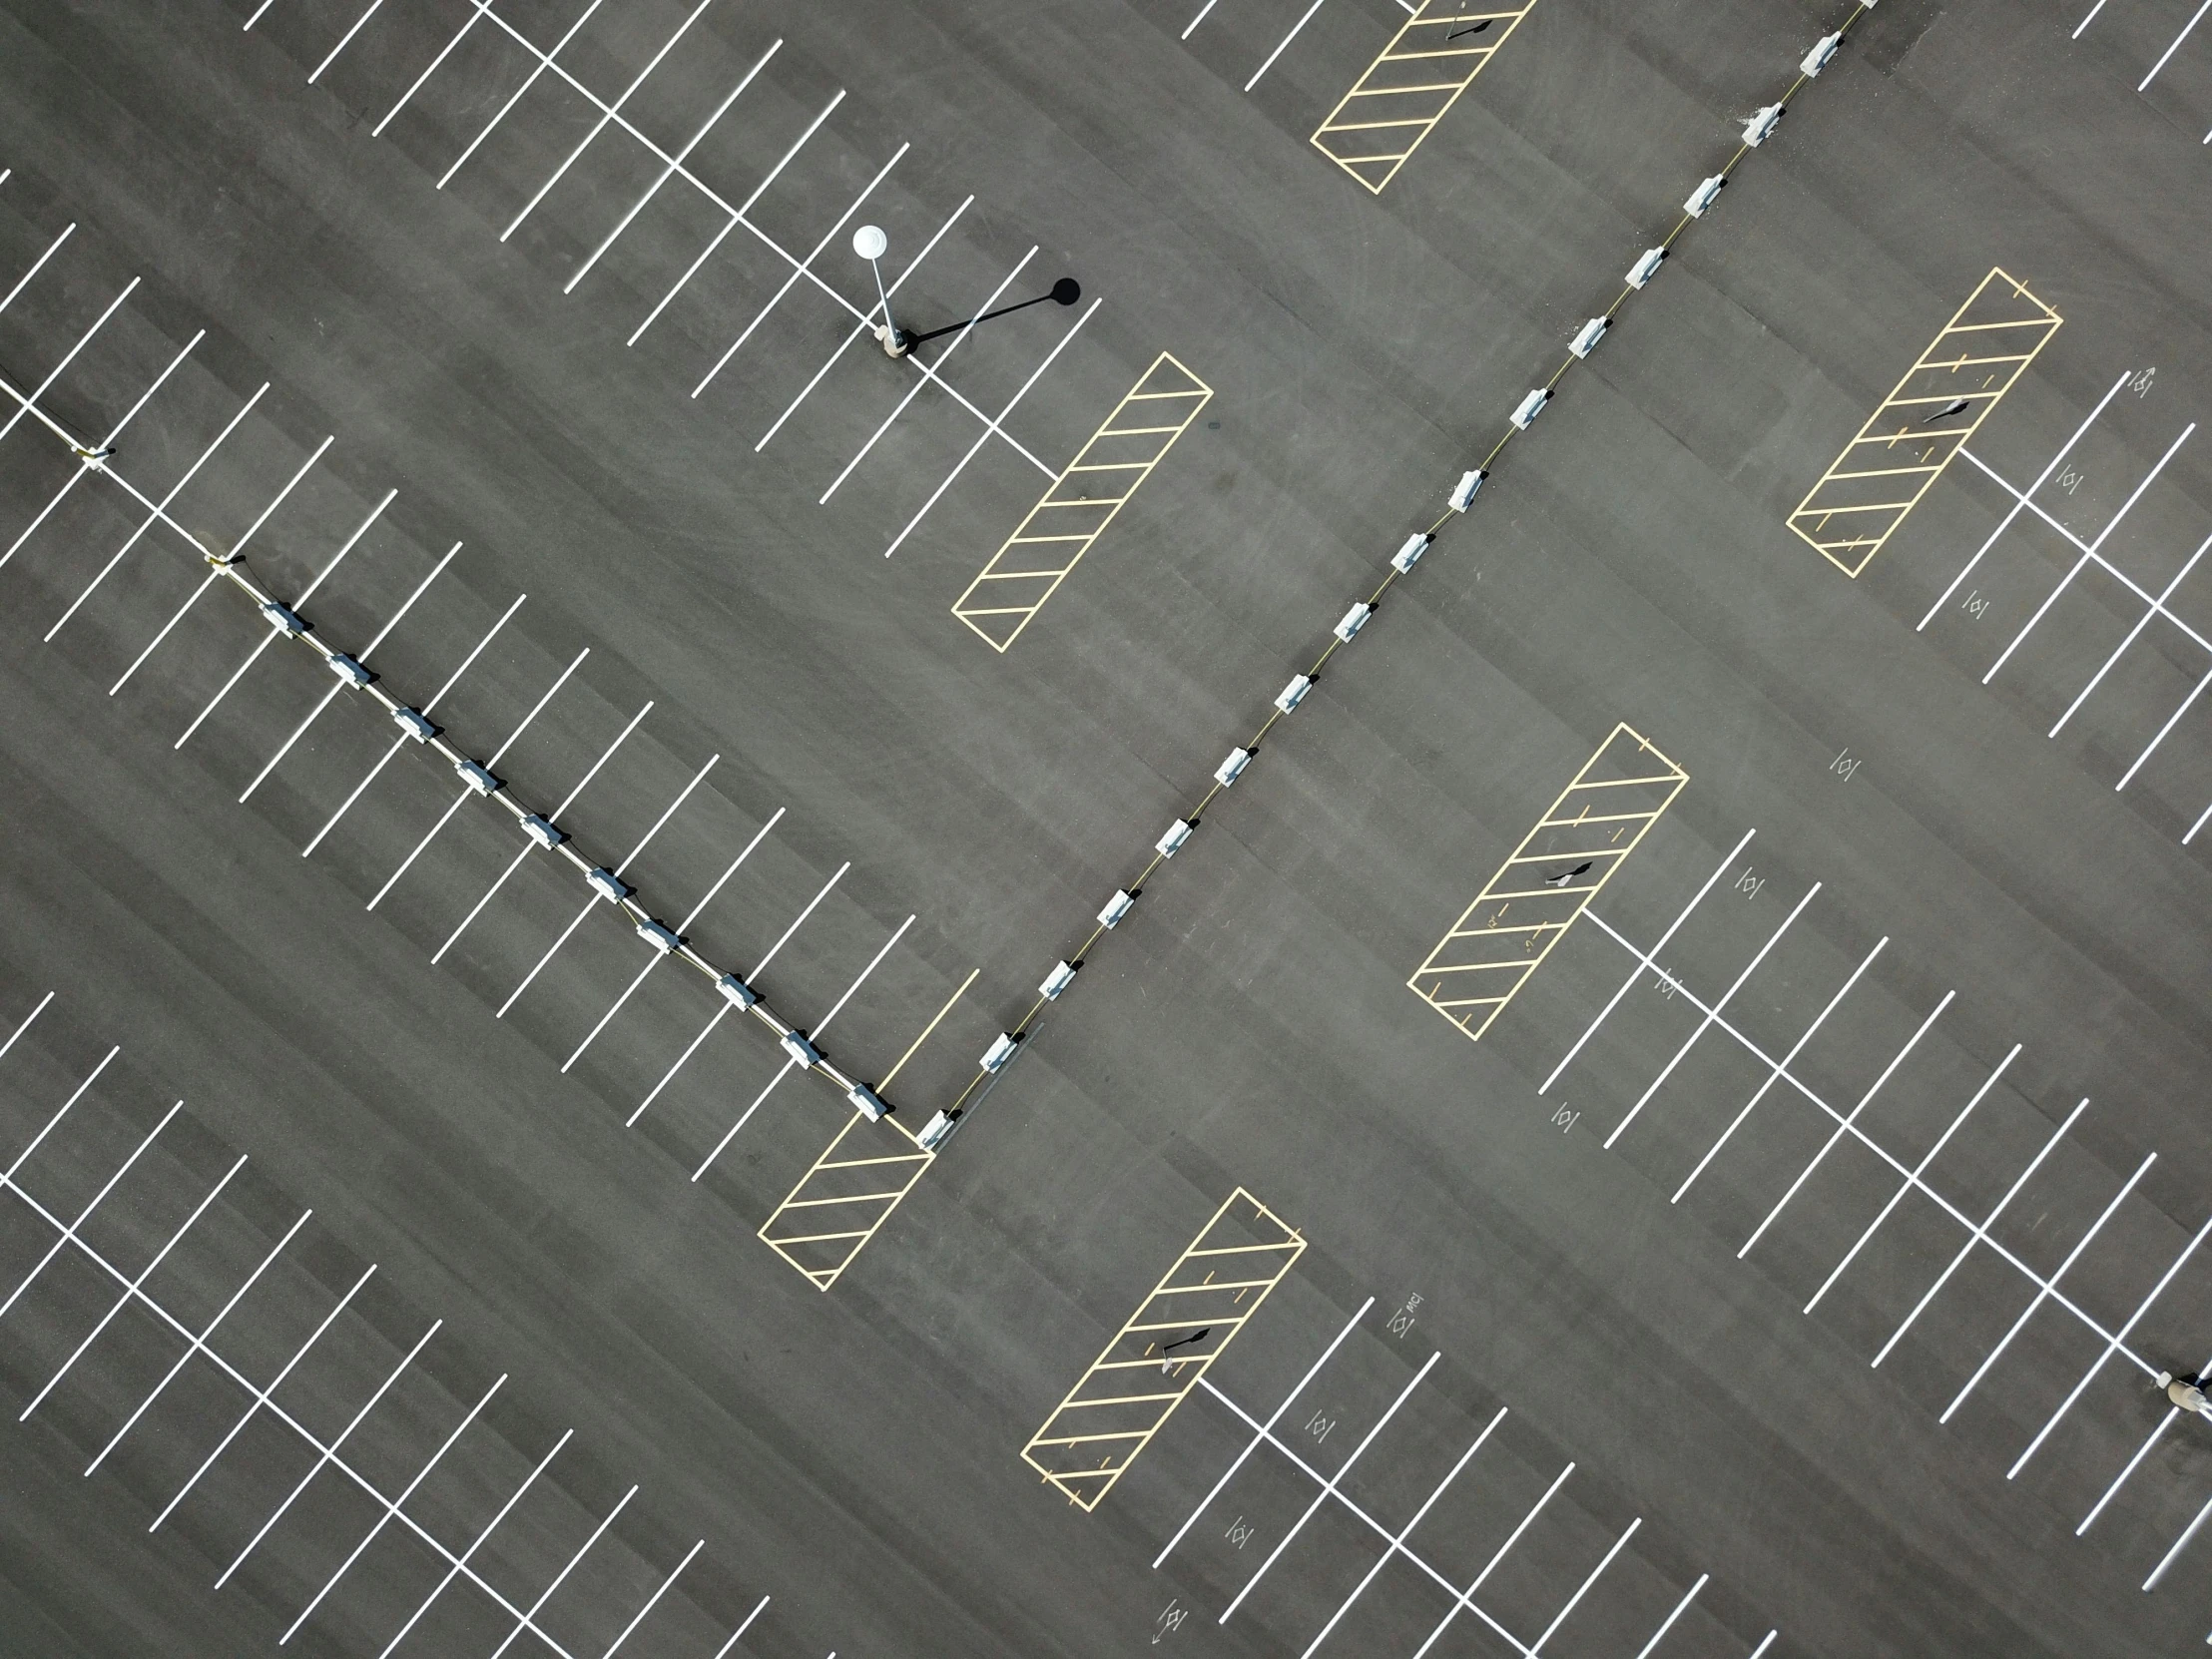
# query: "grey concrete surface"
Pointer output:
{"type": "Point", "coordinates": [853, 1456]}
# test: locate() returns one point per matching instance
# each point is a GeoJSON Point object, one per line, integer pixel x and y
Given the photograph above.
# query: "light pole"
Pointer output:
{"type": "Point", "coordinates": [870, 242]}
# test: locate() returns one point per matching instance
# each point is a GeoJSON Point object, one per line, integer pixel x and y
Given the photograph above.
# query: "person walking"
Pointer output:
{"type": "Point", "coordinates": [2186, 1392]}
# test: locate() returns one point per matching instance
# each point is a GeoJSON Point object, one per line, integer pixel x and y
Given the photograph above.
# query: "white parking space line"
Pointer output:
{"type": "Point", "coordinates": [805, 268]}
{"type": "Point", "coordinates": [2020, 501]}
{"type": "Point", "coordinates": [476, 1544]}
{"type": "Point", "coordinates": [735, 216]}
{"type": "Point", "coordinates": [330, 696]}
{"type": "Point", "coordinates": [1666, 1071]}
{"type": "Point", "coordinates": [993, 425]}
{"type": "Point", "coordinates": [653, 1600]}
{"type": "Point", "coordinates": [260, 1396]}
{"type": "Point", "coordinates": [1919, 1169]}
{"type": "Point", "coordinates": [607, 115]}
{"type": "Point", "coordinates": [912, 391]}
{"type": "Point", "coordinates": [1779, 1071]}
{"type": "Point", "coordinates": [2110, 1348]}
{"type": "Point", "coordinates": [655, 958]}
{"type": "Point", "coordinates": [25, 1026]}
{"type": "Point", "coordinates": [465, 792]}
{"type": "Point", "coordinates": [1980, 1234]}
{"type": "Point", "coordinates": [212, 576]}
{"type": "Point", "coordinates": [159, 512]}
{"type": "Point", "coordinates": [1465, 1598]}
{"type": "Point", "coordinates": [559, 812]}
{"type": "Point", "coordinates": [391, 1509]}
{"type": "Point", "coordinates": [860, 328]}
{"type": "Point", "coordinates": [1844, 1128]}
{"type": "Point", "coordinates": [1681, 1607]}
{"type": "Point", "coordinates": [560, 1577]}
{"type": "Point", "coordinates": [1636, 974]}
{"type": "Point", "coordinates": [669, 171]}
{"type": "Point", "coordinates": [24, 405]}
{"type": "Point", "coordinates": [752, 979]}
{"type": "Point", "coordinates": [343, 42]}
{"type": "Point", "coordinates": [723, 1652]}
{"type": "Point", "coordinates": [399, 743]}
{"type": "Point", "coordinates": [2088, 553]}
{"type": "Point", "coordinates": [820, 1026]}
{"type": "Point", "coordinates": [2086, 21]}
{"type": "Point", "coordinates": [1329, 1487]}
{"type": "Point", "coordinates": [23, 281]}
{"type": "Point", "coordinates": [67, 1234]}
{"type": "Point", "coordinates": [200, 1342]}
{"type": "Point", "coordinates": [1282, 45]}
{"type": "Point", "coordinates": [2141, 623]}
{"type": "Point", "coordinates": [1398, 1543]}
{"type": "Point", "coordinates": [89, 464]}
{"type": "Point", "coordinates": [131, 1289]}
{"type": "Point", "coordinates": [595, 899]}
{"type": "Point", "coordinates": [1263, 1430]}
{"type": "Point", "coordinates": [2187, 29]}
{"type": "Point", "coordinates": [545, 62]}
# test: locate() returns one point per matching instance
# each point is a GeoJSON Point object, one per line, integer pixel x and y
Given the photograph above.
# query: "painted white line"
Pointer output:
{"type": "Point", "coordinates": [1777, 1070]}
{"type": "Point", "coordinates": [595, 899]}
{"type": "Point", "coordinates": [454, 1571]}
{"type": "Point", "coordinates": [820, 1026]}
{"type": "Point", "coordinates": [545, 62]}
{"type": "Point", "coordinates": [984, 436]}
{"type": "Point", "coordinates": [753, 978]}
{"type": "Point", "coordinates": [723, 1652]}
{"type": "Point", "coordinates": [653, 958]}
{"type": "Point", "coordinates": [668, 171]}
{"type": "Point", "coordinates": [653, 1600]}
{"type": "Point", "coordinates": [330, 696]}
{"type": "Point", "coordinates": [1280, 44]}
{"type": "Point", "coordinates": [1196, 21]}
{"type": "Point", "coordinates": [560, 1577]}
{"type": "Point", "coordinates": [1619, 1543]}
{"type": "Point", "coordinates": [1980, 1234]}
{"type": "Point", "coordinates": [1329, 1487]}
{"type": "Point", "coordinates": [390, 1508]}
{"type": "Point", "coordinates": [806, 267]}
{"type": "Point", "coordinates": [607, 115]}
{"type": "Point", "coordinates": [2173, 1416]}
{"type": "Point", "coordinates": [26, 404]}
{"type": "Point", "coordinates": [860, 328]}
{"type": "Point", "coordinates": [912, 391]}
{"type": "Point", "coordinates": [208, 580]}
{"type": "Point", "coordinates": [2202, 817]}
{"type": "Point", "coordinates": [27, 1018]}
{"type": "Point", "coordinates": [67, 1236]}
{"type": "Point", "coordinates": [2141, 623]}
{"type": "Point", "coordinates": [1466, 1598]}
{"type": "Point", "coordinates": [123, 1300]}
{"type": "Point", "coordinates": [1398, 1545]}
{"type": "Point", "coordinates": [37, 265]}
{"type": "Point", "coordinates": [1263, 1431]}
{"type": "Point", "coordinates": [1906, 1185]}
{"type": "Point", "coordinates": [343, 42]}
{"type": "Point", "coordinates": [2119, 1337]}
{"type": "Point", "coordinates": [158, 512]}
{"type": "Point", "coordinates": [2085, 22]}
{"type": "Point", "coordinates": [2186, 30]}
{"type": "Point", "coordinates": [260, 1396]}
{"type": "Point", "coordinates": [475, 17]}
{"type": "Point", "coordinates": [2090, 552]}
{"type": "Point", "coordinates": [1666, 1071]}
{"type": "Point", "coordinates": [199, 1343]}
{"type": "Point", "coordinates": [1842, 1128]}
{"type": "Point", "coordinates": [559, 812]}
{"type": "Point", "coordinates": [1636, 972]}
{"type": "Point", "coordinates": [401, 742]}
{"type": "Point", "coordinates": [735, 216]}
{"type": "Point", "coordinates": [2020, 501]}
{"type": "Point", "coordinates": [1667, 1624]}
{"type": "Point", "coordinates": [2042, 1292]}
{"type": "Point", "coordinates": [2179, 1545]}
{"type": "Point", "coordinates": [465, 792]}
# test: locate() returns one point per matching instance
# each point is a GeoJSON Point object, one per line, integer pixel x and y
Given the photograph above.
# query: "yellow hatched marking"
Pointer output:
{"type": "Point", "coordinates": [1484, 942]}
{"type": "Point", "coordinates": [1384, 118]}
{"type": "Point", "coordinates": [820, 1187]}
{"type": "Point", "coordinates": [1084, 1456]}
{"type": "Point", "coordinates": [1831, 516]}
{"type": "Point", "coordinates": [1166, 382]}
